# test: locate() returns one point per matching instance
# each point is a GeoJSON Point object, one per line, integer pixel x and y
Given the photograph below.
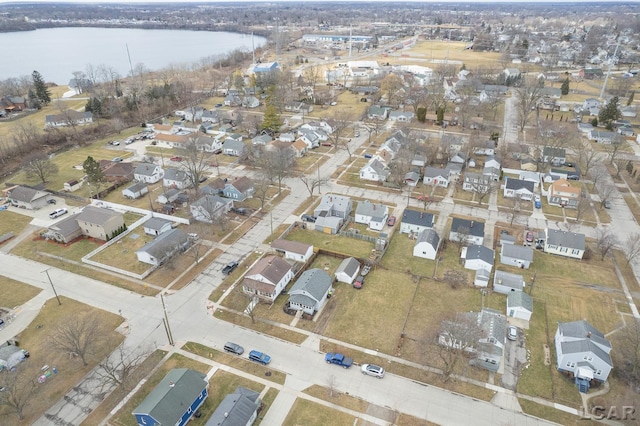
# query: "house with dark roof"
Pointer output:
{"type": "Point", "coordinates": [116, 172]}
{"type": "Point", "coordinates": [515, 255]}
{"type": "Point", "coordinates": [555, 156]}
{"type": "Point", "coordinates": [135, 191]}
{"type": "Point", "coordinates": [470, 230]}
{"type": "Point", "coordinates": [174, 400]}
{"type": "Point", "coordinates": [427, 244]}
{"type": "Point", "coordinates": [28, 198]}
{"type": "Point", "coordinates": [477, 257]}
{"type": "Point", "coordinates": [516, 188]}
{"type": "Point", "coordinates": [268, 277]}
{"type": "Point", "coordinates": [239, 189]}
{"type": "Point", "coordinates": [309, 292]}
{"type": "Point", "coordinates": [335, 205]}
{"type": "Point", "coordinates": [374, 215]}
{"type": "Point", "coordinates": [99, 223]}
{"type": "Point", "coordinates": [583, 353]}
{"type": "Point", "coordinates": [162, 247]}
{"type": "Point", "coordinates": [348, 270]}
{"type": "Point", "coordinates": [239, 408]}
{"type": "Point", "coordinates": [414, 221]}
{"type": "Point", "coordinates": [293, 250]}
{"type": "Point", "coordinates": [208, 207]}
{"type": "Point", "coordinates": [519, 305]}
{"type": "Point", "coordinates": [148, 173]}
{"type": "Point", "coordinates": [156, 226]}
{"type": "Point", "coordinates": [562, 193]}
{"type": "Point", "coordinates": [506, 282]}
{"type": "Point", "coordinates": [564, 243]}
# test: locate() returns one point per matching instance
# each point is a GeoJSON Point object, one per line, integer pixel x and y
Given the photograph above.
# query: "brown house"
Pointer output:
{"type": "Point", "coordinates": [116, 172]}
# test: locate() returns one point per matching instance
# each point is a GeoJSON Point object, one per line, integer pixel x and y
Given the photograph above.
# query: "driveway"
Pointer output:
{"type": "Point", "coordinates": [515, 357]}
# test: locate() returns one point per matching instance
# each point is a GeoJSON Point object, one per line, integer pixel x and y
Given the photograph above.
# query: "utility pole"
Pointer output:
{"type": "Point", "coordinates": [46, 271]}
{"type": "Point", "coordinates": [165, 320]}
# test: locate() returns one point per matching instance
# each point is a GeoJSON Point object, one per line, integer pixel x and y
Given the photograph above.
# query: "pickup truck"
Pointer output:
{"type": "Point", "coordinates": [338, 359]}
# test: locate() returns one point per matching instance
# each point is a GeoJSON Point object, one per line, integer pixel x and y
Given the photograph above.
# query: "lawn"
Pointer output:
{"type": "Point", "coordinates": [122, 254]}
{"type": "Point", "coordinates": [306, 412]}
{"type": "Point", "coordinates": [15, 293]}
{"type": "Point", "coordinates": [336, 243]}
{"type": "Point", "coordinates": [70, 370]}
{"type": "Point", "coordinates": [74, 251]}
{"type": "Point", "coordinates": [338, 398]}
{"type": "Point", "coordinates": [13, 222]}
{"type": "Point", "coordinates": [453, 51]}
{"type": "Point", "coordinates": [399, 257]}
{"type": "Point", "coordinates": [550, 413]}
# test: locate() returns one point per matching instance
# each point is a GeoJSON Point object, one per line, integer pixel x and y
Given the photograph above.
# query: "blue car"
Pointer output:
{"type": "Point", "coordinates": [259, 357]}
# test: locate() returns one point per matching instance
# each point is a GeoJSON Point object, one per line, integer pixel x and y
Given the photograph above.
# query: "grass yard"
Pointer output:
{"type": "Point", "coordinates": [306, 412]}
{"type": "Point", "coordinates": [14, 293]}
{"type": "Point", "coordinates": [30, 247]}
{"type": "Point", "coordinates": [262, 327]}
{"type": "Point", "coordinates": [336, 243]}
{"type": "Point", "coordinates": [123, 253]}
{"type": "Point", "coordinates": [453, 51]}
{"type": "Point", "coordinates": [550, 413]}
{"type": "Point", "coordinates": [231, 278]}
{"type": "Point", "coordinates": [70, 370]}
{"type": "Point", "coordinates": [13, 222]}
{"type": "Point", "coordinates": [338, 398]}
{"type": "Point", "coordinates": [399, 257]}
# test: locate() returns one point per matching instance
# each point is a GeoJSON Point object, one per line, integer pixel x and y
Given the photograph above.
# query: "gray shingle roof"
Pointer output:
{"type": "Point", "coordinates": [581, 330]}
{"type": "Point", "coordinates": [475, 251]}
{"type": "Point", "coordinates": [145, 169]}
{"type": "Point", "coordinates": [26, 195]}
{"type": "Point", "coordinates": [349, 266]}
{"type": "Point", "coordinates": [517, 184]}
{"type": "Point", "coordinates": [568, 239]}
{"type": "Point", "coordinates": [165, 243]}
{"type": "Point", "coordinates": [137, 187]}
{"type": "Point", "coordinates": [581, 346]}
{"type": "Point", "coordinates": [156, 223]}
{"type": "Point", "coordinates": [367, 208]}
{"type": "Point", "coordinates": [435, 172]}
{"type": "Point", "coordinates": [272, 268]}
{"type": "Point", "coordinates": [517, 252]}
{"type": "Point", "coordinates": [508, 279]}
{"type": "Point", "coordinates": [430, 237]}
{"type": "Point", "coordinates": [315, 282]}
{"type": "Point", "coordinates": [291, 246]}
{"type": "Point", "coordinates": [520, 299]}
{"type": "Point", "coordinates": [236, 409]}
{"type": "Point", "coordinates": [414, 217]}
{"type": "Point", "coordinates": [97, 215]}
{"type": "Point", "coordinates": [473, 227]}
{"type": "Point", "coordinates": [175, 174]}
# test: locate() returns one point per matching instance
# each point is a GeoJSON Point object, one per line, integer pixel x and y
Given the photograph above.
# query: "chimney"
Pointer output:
{"type": "Point", "coordinates": [589, 335]}
{"type": "Point", "coordinates": [171, 384]}
{"type": "Point", "coordinates": [471, 224]}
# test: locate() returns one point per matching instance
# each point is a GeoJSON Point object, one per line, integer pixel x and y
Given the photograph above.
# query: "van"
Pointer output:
{"type": "Point", "coordinates": [233, 348]}
{"type": "Point", "coordinates": [57, 213]}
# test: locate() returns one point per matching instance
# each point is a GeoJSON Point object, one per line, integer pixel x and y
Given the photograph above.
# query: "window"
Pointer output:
{"type": "Point", "coordinates": [588, 358]}
{"type": "Point", "coordinates": [598, 372]}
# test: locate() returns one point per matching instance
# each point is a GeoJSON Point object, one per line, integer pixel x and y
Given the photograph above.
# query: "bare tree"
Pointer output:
{"type": "Point", "coordinates": [613, 150]}
{"type": "Point", "coordinates": [458, 335]}
{"type": "Point", "coordinates": [527, 95]}
{"type": "Point", "coordinates": [605, 241]}
{"type": "Point", "coordinates": [282, 161]}
{"type": "Point", "coordinates": [455, 278]}
{"type": "Point", "coordinates": [588, 158]}
{"type": "Point", "coordinates": [340, 123]}
{"type": "Point", "coordinates": [628, 353]}
{"type": "Point", "coordinates": [597, 173]}
{"type": "Point", "coordinates": [619, 164]}
{"type": "Point", "coordinates": [311, 183]}
{"type": "Point", "coordinates": [194, 163]}
{"type": "Point", "coordinates": [78, 337]}
{"type": "Point", "coordinates": [583, 205]}
{"type": "Point", "coordinates": [40, 166]}
{"type": "Point", "coordinates": [117, 369]}
{"type": "Point", "coordinates": [18, 389]}
{"type": "Point", "coordinates": [631, 247]}
{"type": "Point", "coordinates": [462, 237]}
{"type": "Point", "coordinates": [261, 185]}
{"type": "Point", "coordinates": [606, 190]}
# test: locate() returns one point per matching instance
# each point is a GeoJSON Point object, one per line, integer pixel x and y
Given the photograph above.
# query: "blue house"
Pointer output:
{"type": "Point", "coordinates": [174, 401]}
{"type": "Point", "coordinates": [239, 189]}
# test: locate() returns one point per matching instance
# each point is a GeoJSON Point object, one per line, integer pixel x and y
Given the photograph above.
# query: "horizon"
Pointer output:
{"type": "Point", "coordinates": [97, 2]}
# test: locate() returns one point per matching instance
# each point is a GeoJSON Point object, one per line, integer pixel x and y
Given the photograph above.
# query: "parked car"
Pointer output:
{"type": "Point", "coordinates": [391, 221]}
{"type": "Point", "coordinates": [176, 158]}
{"type": "Point", "coordinates": [308, 218]}
{"type": "Point", "coordinates": [529, 237]}
{"type": "Point", "coordinates": [233, 348]}
{"type": "Point", "coordinates": [51, 201]}
{"type": "Point", "coordinates": [241, 210]}
{"type": "Point", "coordinates": [218, 105]}
{"type": "Point", "coordinates": [229, 267]}
{"type": "Point", "coordinates": [607, 204]}
{"type": "Point", "coordinates": [259, 357]}
{"type": "Point", "coordinates": [338, 359]}
{"type": "Point", "coordinates": [115, 143]}
{"type": "Point", "coordinates": [356, 134]}
{"type": "Point", "coordinates": [117, 160]}
{"type": "Point", "coordinates": [537, 202]}
{"type": "Point", "coordinates": [373, 370]}
{"type": "Point", "coordinates": [512, 332]}
{"type": "Point", "coordinates": [359, 282]}
{"type": "Point", "coordinates": [57, 213]}
{"type": "Point", "coordinates": [569, 164]}
{"type": "Point", "coordinates": [202, 179]}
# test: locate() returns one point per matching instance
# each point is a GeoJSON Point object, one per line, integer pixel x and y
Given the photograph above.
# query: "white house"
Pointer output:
{"type": "Point", "coordinates": [414, 222]}
{"type": "Point", "coordinates": [477, 257]}
{"type": "Point", "coordinates": [436, 176]}
{"type": "Point", "coordinates": [156, 226]}
{"type": "Point", "coordinates": [373, 215]}
{"type": "Point", "coordinates": [427, 244]}
{"type": "Point", "coordinates": [470, 230]}
{"type": "Point", "coordinates": [506, 282]}
{"type": "Point", "coordinates": [519, 305]}
{"type": "Point", "coordinates": [268, 277]}
{"type": "Point", "coordinates": [530, 177]}
{"type": "Point", "coordinates": [209, 207]}
{"type": "Point", "coordinates": [135, 191]}
{"type": "Point", "coordinates": [516, 188]}
{"type": "Point", "coordinates": [300, 252]}
{"type": "Point", "coordinates": [176, 178]}
{"type": "Point", "coordinates": [515, 255]}
{"type": "Point", "coordinates": [582, 352]}
{"type": "Point", "coordinates": [564, 243]}
{"type": "Point", "coordinates": [374, 170]}
{"type": "Point", "coordinates": [148, 173]}
{"type": "Point", "coordinates": [162, 247]}
{"type": "Point", "coordinates": [348, 270]}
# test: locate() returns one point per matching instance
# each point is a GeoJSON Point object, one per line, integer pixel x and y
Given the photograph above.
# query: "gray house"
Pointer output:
{"type": "Point", "coordinates": [519, 305]}
{"type": "Point", "coordinates": [515, 255]}
{"type": "Point", "coordinates": [583, 353]}
{"type": "Point", "coordinates": [348, 270]}
{"type": "Point", "coordinates": [238, 408]}
{"type": "Point", "coordinates": [162, 247]}
{"type": "Point", "coordinates": [240, 189]}
{"type": "Point", "coordinates": [310, 291]}
{"type": "Point", "coordinates": [209, 207]}
{"type": "Point", "coordinates": [374, 215]}
{"type": "Point", "coordinates": [414, 221]}
{"type": "Point", "coordinates": [491, 345]}
{"type": "Point", "coordinates": [470, 230]}
{"type": "Point", "coordinates": [335, 205]}
{"type": "Point", "coordinates": [232, 147]}
{"type": "Point", "coordinates": [156, 226]}
{"type": "Point", "coordinates": [29, 198]}
{"type": "Point", "coordinates": [135, 191]}
{"type": "Point", "coordinates": [477, 257]}
{"type": "Point", "coordinates": [427, 244]}
{"type": "Point", "coordinates": [505, 282]}
{"type": "Point", "coordinates": [564, 243]}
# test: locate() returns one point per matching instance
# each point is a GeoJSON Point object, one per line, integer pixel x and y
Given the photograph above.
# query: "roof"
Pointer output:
{"type": "Point", "coordinates": [156, 223]}
{"type": "Point", "coordinates": [433, 172]}
{"type": "Point", "coordinates": [67, 226]}
{"type": "Point", "coordinates": [175, 174]}
{"type": "Point", "coordinates": [519, 299]}
{"type": "Point", "coordinates": [25, 194]}
{"type": "Point", "coordinates": [585, 345]}
{"type": "Point", "coordinates": [414, 217]}
{"type": "Point", "coordinates": [236, 409]}
{"type": "Point", "coordinates": [377, 166]}
{"type": "Point", "coordinates": [563, 185]}
{"type": "Point", "coordinates": [483, 253]}
{"type": "Point", "coordinates": [233, 144]}
{"type": "Point", "coordinates": [136, 187]}
{"type": "Point", "coordinates": [581, 329]}
{"type": "Point", "coordinates": [272, 268]}
{"type": "Point", "coordinates": [374, 210]}
{"type": "Point", "coordinates": [97, 215]}
{"type": "Point", "coordinates": [242, 184]}
{"type": "Point", "coordinates": [493, 323]}
{"type": "Point", "coordinates": [160, 246]}
{"type": "Point", "coordinates": [349, 266]}
{"type": "Point", "coordinates": [556, 237]}
{"type": "Point", "coordinates": [474, 227]}
{"type": "Point", "coordinates": [508, 279]}
{"type": "Point", "coordinates": [145, 169]}
{"type": "Point", "coordinates": [315, 282]}
{"type": "Point", "coordinates": [517, 252]}
{"type": "Point", "coordinates": [517, 184]}
{"type": "Point", "coordinates": [430, 237]}
{"type": "Point", "coordinates": [550, 151]}
{"type": "Point", "coordinates": [169, 400]}
{"type": "Point", "coordinates": [335, 202]}
{"type": "Point", "coordinates": [291, 246]}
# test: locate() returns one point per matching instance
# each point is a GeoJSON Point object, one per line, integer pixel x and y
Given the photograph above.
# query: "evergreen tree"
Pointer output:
{"type": "Point", "coordinates": [609, 113]}
{"type": "Point", "coordinates": [630, 100]}
{"type": "Point", "coordinates": [564, 89]}
{"type": "Point", "coordinates": [271, 120]}
{"type": "Point", "coordinates": [34, 102]}
{"type": "Point", "coordinates": [440, 115]}
{"type": "Point", "coordinates": [421, 114]}
{"type": "Point", "coordinates": [40, 87]}
{"type": "Point", "coordinates": [94, 173]}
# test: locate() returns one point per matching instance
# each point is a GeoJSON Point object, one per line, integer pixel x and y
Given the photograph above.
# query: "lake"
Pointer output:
{"type": "Point", "coordinates": [57, 52]}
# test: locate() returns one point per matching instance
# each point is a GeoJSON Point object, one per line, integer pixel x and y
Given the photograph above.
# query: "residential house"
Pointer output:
{"type": "Point", "coordinates": [585, 128]}
{"type": "Point", "coordinates": [165, 245]}
{"type": "Point", "coordinates": [310, 138]}
{"type": "Point", "coordinates": [412, 178]}
{"type": "Point", "coordinates": [604, 137]}
{"type": "Point", "coordinates": [300, 252]}
{"type": "Point", "coordinates": [471, 231]}
{"type": "Point", "coordinates": [12, 104]}
{"type": "Point", "coordinates": [300, 148]}
{"type": "Point", "coordinates": [374, 170]}
{"type": "Point", "coordinates": [171, 140]}
{"type": "Point", "coordinates": [232, 147]}
{"type": "Point", "coordinates": [583, 352]}
{"type": "Point", "coordinates": [239, 189]}
{"type": "Point", "coordinates": [519, 305]}
{"type": "Point", "coordinates": [335, 205]}
{"type": "Point", "coordinates": [232, 100]}
{"type": "Point", "coordinates": [487, 147]}
{"type": "Point", "coordinates": [209, 207]}
{"type": "Point", "coordinates": [561, 193]}
{"type": "Point", "coordinates": [506, 239]}
{"type": "Point", "coordinates": [348, 270]}
{"type": "Point", "coordinates": [458, 158]}
{"type": "Point", "coordinates": [515, 255]}
{"type": "Point", "coordinates": [401, 116]}
{"type": "Point", "coordinates": [373, 215]}
{"type": "Point", "coordinates": [64, 231]}
{"type": "Point", "coordinates": [72, 185]}
{"type": "Point", "coordinates": [268, 277]}
{"type": "Point", "coordinates": [287, 137]}
{"type": "Point", "coordinates": [68, 118]}
{"type": "Point", "coordinates": [564, 243]}
{"type": "Point", "coordinates": [174, 400]}
{"type": "Point", "coordinates": [377, 113]}
{"type": "Point", "coordinates": [156, 226]}
{"type": "Point", "coordinates": [116, 172]}
{"type": "Point", "coordinates": [176, 178]}
{"type": "Point", "coordinates": [309, 292]}
{"type": "Point", "coordinates": [506, 282]}
{"type": "Point", "coordinates": [451, 144]}
{"type": "Point", "coordinates": [261, 140]}
{"type": "Point", "coordinates": [318, 125]}
{"type": "Point", "coordinates": [528, 176]}
{"type": "Point", "coordinates": [389, 149]}
{"type": "Point", "coordinates": [629, 111]}
{"type": "Point", "coordinates": [238, 408]}
{"type": "Point", "coordinates": [511, 73]}
{"type": "Point", "coordinates": [250, 102]}
{"type": "Point", "coordinates": [516, 188]}
{"type": "Point", "coordinates": [590, 73]}
{"type": "Point", "coordinates": [476, 182]}
{"type": "Point", "coordinates": [148, 173]}
{"type": "Point", "coordinates": [481, 278]}
{"type": "Point", "coordinates": [135, 191]}
{"type": "Point", "coordinates": [28, 198]}
{"type": "Point", "coordinates": [427, 244]}
{"type": "Point", "coordinates": [415, 222]}
{"type": "Point", "coordinates": [208, 144]}
{"type": "Point", "coordinates": [209, 116]}
{"type": "Point", "coordinates": [436, 176]}
{"type": "Point", "coordinates": [477, 257]}
{"type": "Point", "coordinates": [172, 195]}
{"type": "Point", "coordinates": [99, 223]}
{"type": "Point", "coordinates": [554, 156]}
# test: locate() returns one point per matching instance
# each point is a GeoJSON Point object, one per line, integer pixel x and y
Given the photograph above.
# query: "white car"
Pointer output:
{"type": "Point", "coordinates": [373, 370]}
{"type": "Point", "coordinates": [57, 213]}
{"type": "Point", "coordinates": [512, 332]}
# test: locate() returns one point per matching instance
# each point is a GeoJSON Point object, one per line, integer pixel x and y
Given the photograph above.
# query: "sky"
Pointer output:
{"type": "Point", "coordinates": [280, 1]}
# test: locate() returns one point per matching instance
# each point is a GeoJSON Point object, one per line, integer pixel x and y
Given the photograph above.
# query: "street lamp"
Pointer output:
{"type": "Point", "coordinates": [46, 271]}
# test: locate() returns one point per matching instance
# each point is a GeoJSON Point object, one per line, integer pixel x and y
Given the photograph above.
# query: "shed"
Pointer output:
{"type": "Point", "coordinates": [135, 191]}
{"type": "Point", "coordinates": [515, 255]}
{"type": "Point", "coordinates": [506, 282]}
{"type": "Point", "coordinates": [156, 226]}
{"type": "Point", "coordinates": [348, 270]}
{"type": "Point", "coordinates": [519, 305]}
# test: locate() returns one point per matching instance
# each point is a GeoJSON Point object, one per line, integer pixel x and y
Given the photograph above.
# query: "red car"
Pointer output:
{"type": "Point", "coordinates": [176, 158]}
{"type": "Point", "coordinates": [529, 237]}
{"type": "Point", "coordinates": [391, 221]}
{"type": "Point", "coordinates": [359, 282]}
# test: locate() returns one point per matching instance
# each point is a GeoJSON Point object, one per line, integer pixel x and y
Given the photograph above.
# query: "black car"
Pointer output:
{"type": "Point", "coordinates": [229, 267]}
{"type": "Point", "coordinates": [241, 211]}
{"type": "Point", "coordinates": [308, 218]}
{"type": "Point", "coordinates": [51, 201]}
